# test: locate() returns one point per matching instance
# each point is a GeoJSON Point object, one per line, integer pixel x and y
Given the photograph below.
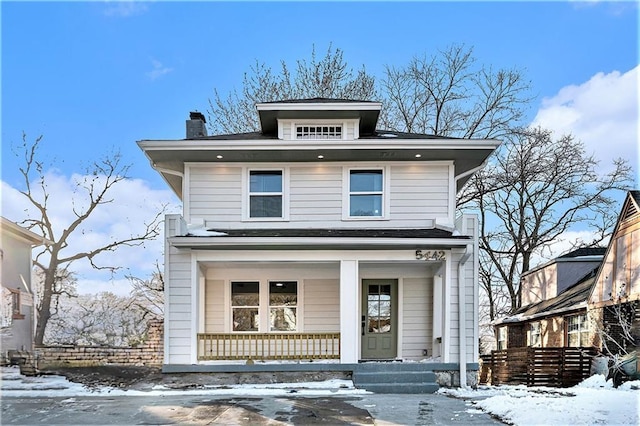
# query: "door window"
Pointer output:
{"type": "Point", "coordinates": [379, 308]}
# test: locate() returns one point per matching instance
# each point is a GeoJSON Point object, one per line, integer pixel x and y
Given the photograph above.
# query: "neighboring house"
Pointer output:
{"type": "Point", "coordinates": [319, 239]}
{"type": "Point", "coordinates": [17, 314]}
{"type": "Point", "coordinates": [615, 298]}
{"type": "Point", "coordinates": [554, 298]}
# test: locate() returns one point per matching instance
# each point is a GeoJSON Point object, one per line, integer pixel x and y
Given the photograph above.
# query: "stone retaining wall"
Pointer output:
{"type": "Point", "coordinates": [150, 353]}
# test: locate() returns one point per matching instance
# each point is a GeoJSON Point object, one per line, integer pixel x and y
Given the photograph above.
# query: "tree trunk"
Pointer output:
{"type": "Point", "coordinates": [44, 308]}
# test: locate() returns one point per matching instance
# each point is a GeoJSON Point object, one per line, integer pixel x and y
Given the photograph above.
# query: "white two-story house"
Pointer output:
{"type": "Point", "coordinates": [319, 242]}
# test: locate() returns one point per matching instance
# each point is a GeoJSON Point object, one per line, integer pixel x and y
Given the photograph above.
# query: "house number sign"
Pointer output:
{"type": "Point", "coordinates": [430, 255]}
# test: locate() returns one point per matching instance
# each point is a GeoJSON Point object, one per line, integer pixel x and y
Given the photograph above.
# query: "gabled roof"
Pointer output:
{"type": "Point", "coordinates": [583, 254]}
{"type": "Point", "coordinates": [572, 299]}
{"type": "Point", "coordinates": [629, 213]}
{"type": "Point", "coordinates": [584, 251]}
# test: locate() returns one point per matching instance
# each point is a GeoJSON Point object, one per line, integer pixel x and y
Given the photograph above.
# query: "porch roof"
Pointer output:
{"type": "Point", "coordinates": [325, 238]}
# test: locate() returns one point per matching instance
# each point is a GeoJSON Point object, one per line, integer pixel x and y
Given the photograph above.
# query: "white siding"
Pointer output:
{"type": "Point", "coordinates": [419, 194]}
{"type": "Point", "coordinates": [214, 306]}
{"type": "Point", "coordinates": [350, 130]}
{"type": "Point", "coordinates": [215, 193]}
{"type": "Point", "coordinates": [179, 307]}
{"type": "Point", "coordinates": [316, 194]}
{"type": "Point", "coordinates": [417, 317]}
{"type": "Point", "coordinates": [321, 306]}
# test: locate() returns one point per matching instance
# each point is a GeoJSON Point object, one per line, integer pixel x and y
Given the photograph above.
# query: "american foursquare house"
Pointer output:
{"type": "Point", "coordinates": [321, 243]}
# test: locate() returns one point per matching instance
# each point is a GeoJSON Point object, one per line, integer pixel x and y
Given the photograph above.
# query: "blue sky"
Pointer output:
{"type": "Point", "coordinates": [94, 76]}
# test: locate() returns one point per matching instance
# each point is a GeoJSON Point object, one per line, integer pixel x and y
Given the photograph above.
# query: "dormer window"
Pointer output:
{"type": "Point", "coordinates": [319, 132]}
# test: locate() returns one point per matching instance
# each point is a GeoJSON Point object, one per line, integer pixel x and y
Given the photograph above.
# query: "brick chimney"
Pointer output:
{"type": "Point", "coordinates": [196, 125]}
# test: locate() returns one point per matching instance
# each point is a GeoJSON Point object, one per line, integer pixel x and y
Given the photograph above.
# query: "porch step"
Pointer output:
{"type": "Point", "coordinates": [387, 377]}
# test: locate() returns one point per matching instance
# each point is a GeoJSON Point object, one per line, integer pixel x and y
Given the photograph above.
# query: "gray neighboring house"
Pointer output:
{"type": "Point", "coordinates": [17, 310]}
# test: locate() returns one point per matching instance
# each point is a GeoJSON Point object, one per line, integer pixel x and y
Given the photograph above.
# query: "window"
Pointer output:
{"type": "Point", "coordinates": [366, 193]}
{"type": "Point", "coordinates": [245, 305]}
{"type": "Point", "coordinates": [379, 308]}
{"type": "Point", "coordinates": [502, 338]}
{"type": "Point", "coordinates": [283, 303]}
{"type": "Point", "coordinates": [578, 331]}
{"type": "Point", "coordinates": [535, 334]}
{"type": "Point", "coordinates": [319, 132]}
{"type": "Point", "coordinates": [265, 193]}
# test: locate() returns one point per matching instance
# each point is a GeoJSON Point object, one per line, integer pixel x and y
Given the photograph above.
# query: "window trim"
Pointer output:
{"type": "Point", "coordinates": [502, 338]}
{"type": "Point", "coordinates": [232, 308]}
{"type": "Point", "coordinates": [327, 122]}
{"type": "Point", "coordinates": [531, 334]}
{"type": "Point", "coordinates": [16, 304]}
{"type": "Point", "coordinates": [586, 331]}
{"type": "Point", "coordinates": [270, 306]}
{"type": "Point", "coordinates": [246, 197]}
{"type": "Point", "coordinates": [346, 193]}
{"type": "Point", "coordinates": [264, 307]}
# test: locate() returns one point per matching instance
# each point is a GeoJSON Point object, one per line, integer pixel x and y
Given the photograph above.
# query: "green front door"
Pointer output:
{"type": "Point", "coordinates": [379, 324]}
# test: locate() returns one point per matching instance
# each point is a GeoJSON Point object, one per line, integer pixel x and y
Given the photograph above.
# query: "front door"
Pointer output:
{"type": "Point", "coordinates": [379, 324]}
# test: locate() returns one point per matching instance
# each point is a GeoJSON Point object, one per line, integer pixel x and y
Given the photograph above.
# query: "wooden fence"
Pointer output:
{"type": "Point", "coordinates": [268, 346]}
{"type": "Point", "coordinates": [555, 367]}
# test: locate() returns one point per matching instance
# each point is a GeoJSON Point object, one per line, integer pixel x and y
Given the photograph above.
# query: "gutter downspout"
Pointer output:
{"type": "Point", "coordinates": [462, 315]}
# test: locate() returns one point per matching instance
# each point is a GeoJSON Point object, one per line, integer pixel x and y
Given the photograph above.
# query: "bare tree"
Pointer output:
{"type": "Point", "coordinates": [148, 294]}
{"type": "Point", "coordinates": [91, 191]}
{"type": "Point", "coordinates": [447, 94]}
{"type": "Point", "coordinates": [535, 189]}
{"type": "Point", "coordinates": [327, 77]}
{"type": "Point", "coordinates": [97, 319]}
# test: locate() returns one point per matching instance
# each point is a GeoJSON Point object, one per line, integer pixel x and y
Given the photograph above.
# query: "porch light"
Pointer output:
{"type": "Point", "coordinates": [320, 157]}
{"type": "Point", "coordinates": [418, 155]}
{"type": "Point", "coordinates": [219, 157]}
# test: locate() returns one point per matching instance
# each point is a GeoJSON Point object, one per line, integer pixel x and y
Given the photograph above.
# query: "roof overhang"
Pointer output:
{"type": "Point", "coordinates": [318, 243]}
{"type": "Point", "coordinates": [168, 156]}
{"type": "Point", "coordinates": [17, 231]}
{"type": "Point", "coordinates": [544, 314]}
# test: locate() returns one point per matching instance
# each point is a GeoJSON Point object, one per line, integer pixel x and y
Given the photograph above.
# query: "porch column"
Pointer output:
{"type": "Point", "coordinates": [349, 310]}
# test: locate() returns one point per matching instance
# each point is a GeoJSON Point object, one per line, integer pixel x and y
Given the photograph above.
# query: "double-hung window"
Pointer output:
{"type": "Point", "coordinates": [245, 305]}
{"type": "Point", "coordinates": [278, 312]}
{"type": "Point", "coordinates": [578, 331]}
{"type": "Point", "coordinates": [283, 306]}
{"type": "Point", "coordinates": [535, 334]}
{"type": "Point", "coordinates": [366, 193]}
{"type": "Point", "coordinates": [502, 338]}
{"type": "Point", "coordinates": [266, 194]}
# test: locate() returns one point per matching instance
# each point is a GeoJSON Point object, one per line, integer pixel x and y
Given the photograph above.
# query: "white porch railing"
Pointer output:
{"type": "Point", "coordinates": [268, 346]}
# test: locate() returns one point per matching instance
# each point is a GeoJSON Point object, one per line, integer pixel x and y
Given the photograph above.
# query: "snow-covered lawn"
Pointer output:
{"type": "Point", "coordinates": [592, 402]}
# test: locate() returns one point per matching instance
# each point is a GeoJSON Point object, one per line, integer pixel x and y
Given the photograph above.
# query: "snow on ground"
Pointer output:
{"type": "Point", "coordinates": [14, 384]}
{"type": "Point", "coordinates": [594, 401]}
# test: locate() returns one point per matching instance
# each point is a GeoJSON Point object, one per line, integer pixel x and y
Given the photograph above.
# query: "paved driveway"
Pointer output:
{"type": "Point", "coordinates": [370, 409]}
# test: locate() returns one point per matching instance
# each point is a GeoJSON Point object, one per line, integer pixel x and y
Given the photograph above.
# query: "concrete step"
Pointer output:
{"type": "Point", "coordinates": [394, 377]}
{"type": "Point", "coordinates": [402, 388]}
{"type": "Point", "coordinates": [392, 366]}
